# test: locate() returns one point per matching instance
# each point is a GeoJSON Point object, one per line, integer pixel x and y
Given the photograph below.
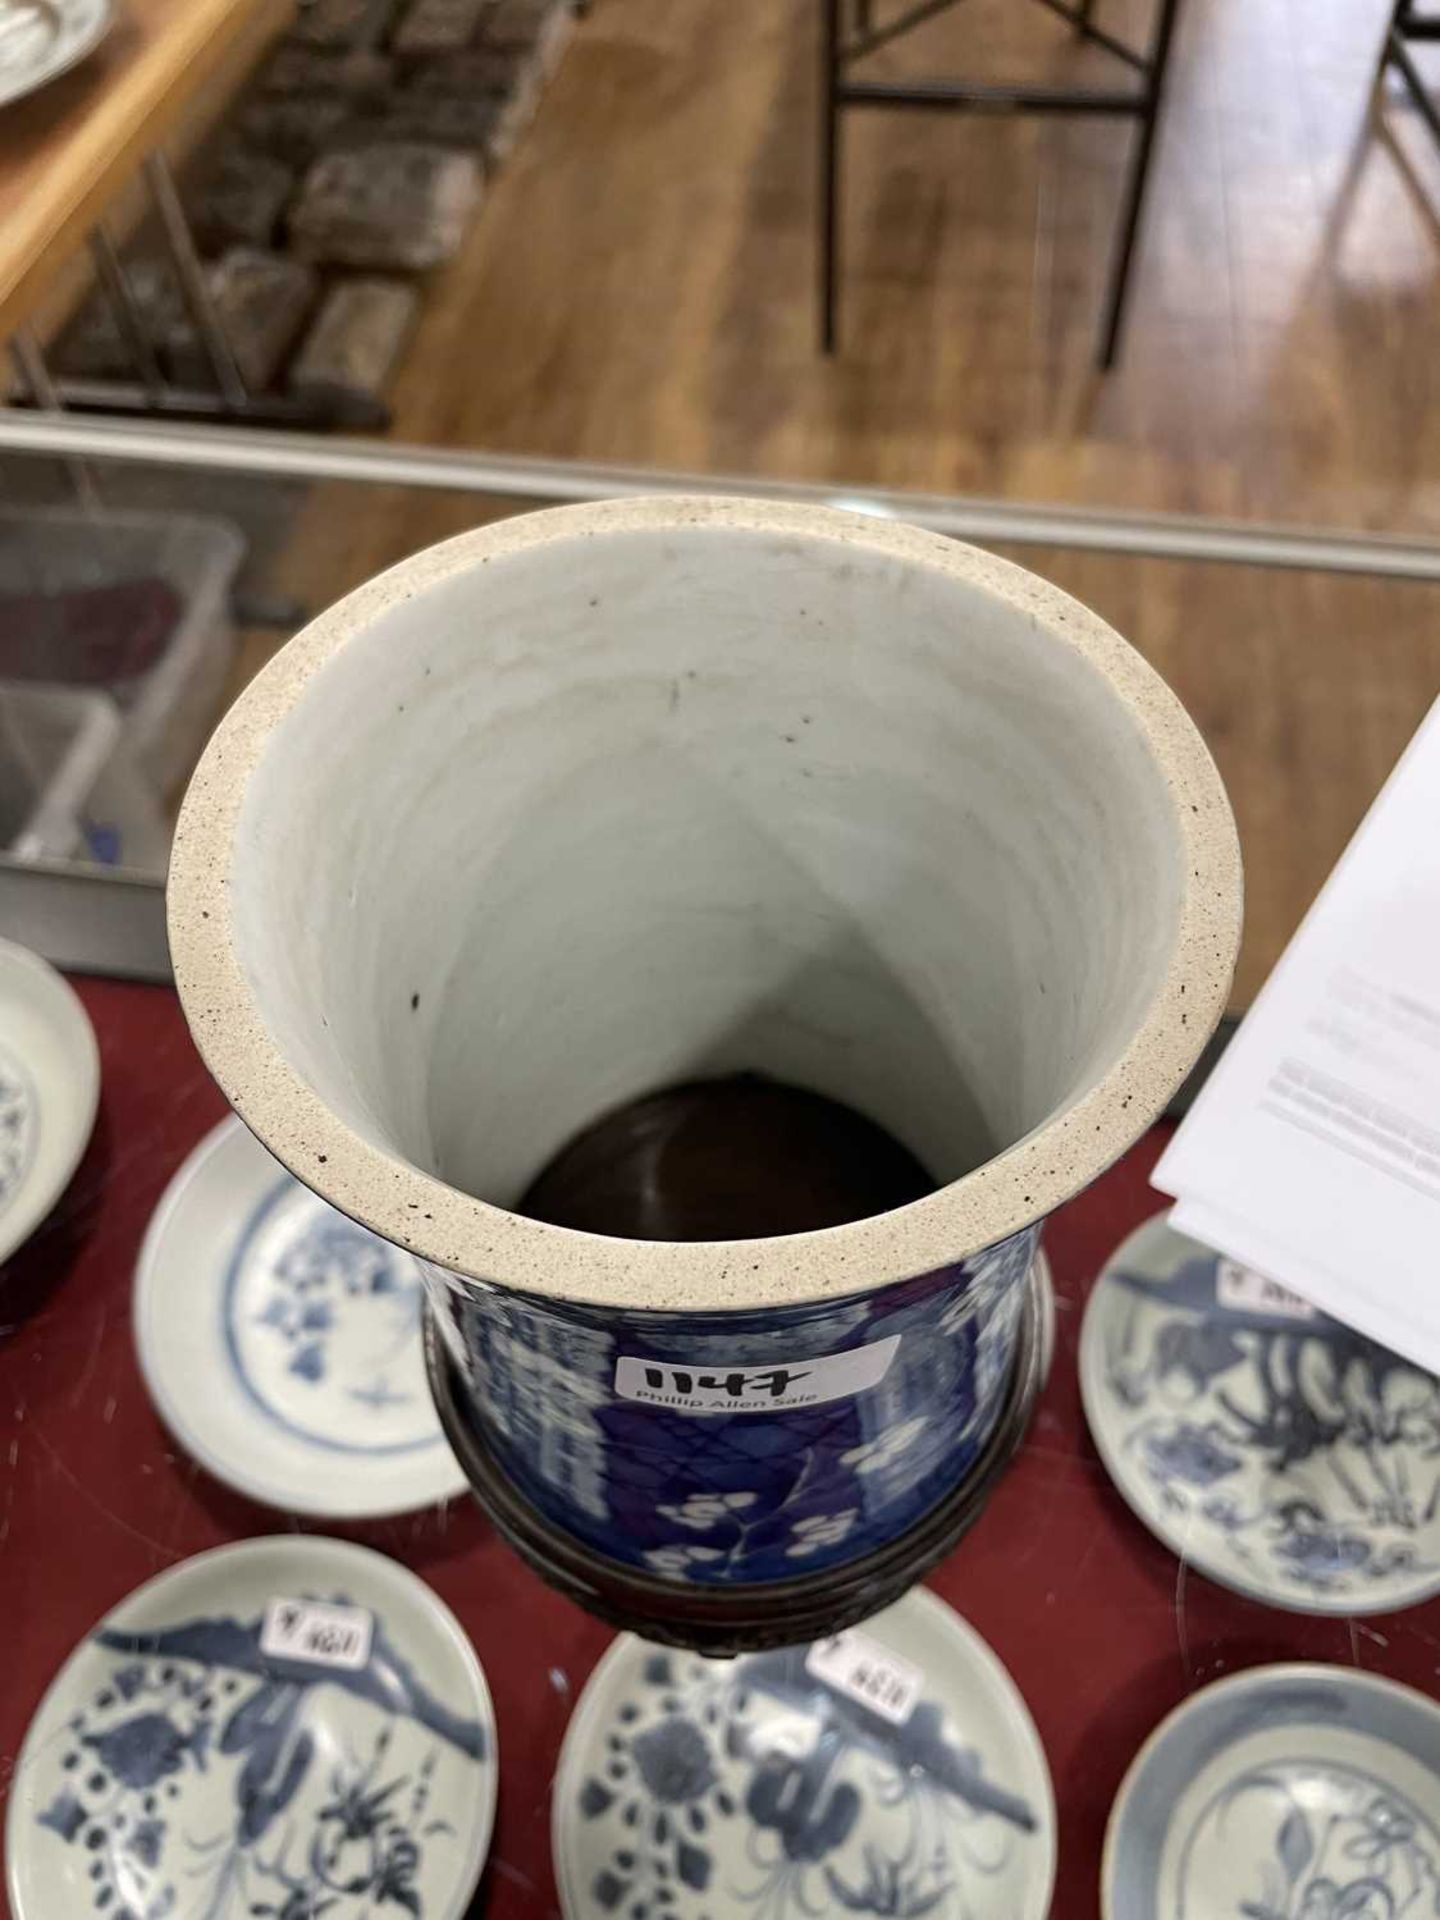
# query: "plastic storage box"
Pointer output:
{"type": "Point", "coordinates": [68, 789]}
{"type": "Point", "coordinates": [134, 605]}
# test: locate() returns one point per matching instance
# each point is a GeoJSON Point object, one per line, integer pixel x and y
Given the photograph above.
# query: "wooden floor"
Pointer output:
{"type": "Point", "coordinates": [639, 288]}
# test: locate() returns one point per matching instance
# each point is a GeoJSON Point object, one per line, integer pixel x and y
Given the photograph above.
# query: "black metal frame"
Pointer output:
{"type": "Point", "coordinates": [841, 48]}
{"type": "Point", "coordinates": [1407, 25]}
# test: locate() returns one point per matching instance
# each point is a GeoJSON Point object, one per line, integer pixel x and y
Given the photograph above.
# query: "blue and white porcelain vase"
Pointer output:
{"type": "Point", "coordinates": [603, 799]}
{"type": "Point", "coordinates": [744, 1447]}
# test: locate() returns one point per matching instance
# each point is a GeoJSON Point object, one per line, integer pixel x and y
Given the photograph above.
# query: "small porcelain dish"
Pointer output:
{"type": "Point", "coordinates": [1298, 1792]}
{"type": "Point", "coordinates": [41, 39]}
{"type": "Point", "coordinates": [291, 1726]}
{"type": "Point", "coordinates": [281, 1343]}
{"type": "Point", "coordinates": [49, 1090]}
{"type": "Point", "coordinates": [1270, 1447]}
{"type": "Point", "coordinates": [891, 1770]}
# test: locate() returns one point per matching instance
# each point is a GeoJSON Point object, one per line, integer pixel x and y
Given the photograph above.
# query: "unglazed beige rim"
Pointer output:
{"type": "Point", "coordinates": [484, 1242]}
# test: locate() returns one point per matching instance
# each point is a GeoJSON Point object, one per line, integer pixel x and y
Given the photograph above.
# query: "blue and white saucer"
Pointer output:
{"type": "Point", "coordinates": [281, 1342]}
{"type": "Point", "coordinates": [1270, 1447]}
{"type": "Point", "coordinates": [180, 1766]}
{"type": "Point", "coordinates": [1285, 1793]}
{"type": "Point", "coordinates": [49, 1089]}
{"type": "Point", "coordinates": [892, 1771]}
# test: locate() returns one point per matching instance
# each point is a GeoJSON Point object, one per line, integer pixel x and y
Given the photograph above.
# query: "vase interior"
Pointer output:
{"type": "Point", "coordinates": [617, 813]}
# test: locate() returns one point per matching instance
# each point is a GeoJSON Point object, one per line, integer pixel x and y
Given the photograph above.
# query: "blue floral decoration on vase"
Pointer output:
{"type": "Point", "coordinates": [778, 1489]}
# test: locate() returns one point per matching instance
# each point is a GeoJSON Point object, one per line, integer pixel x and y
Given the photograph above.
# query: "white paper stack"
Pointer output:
{"type": "Point", "coordinates": [1313, 1152]}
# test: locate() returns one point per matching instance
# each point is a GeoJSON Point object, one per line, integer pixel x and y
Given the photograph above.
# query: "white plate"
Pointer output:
{"type": "Point", "coordinates": [1284, 1793]}
{"type": "Point", "coordinates": [1271, 1448]}
{"type": "Point", "coordinates": [174, 1769]}
{"type": "Point", "coordinates": [49, 1088]}
{"type": "Point", "coordinates": [41, 39]}
{"type": "Point", "coordinates": [752, 1789]}
{"type": "Point", "coordinates": [281, 1342]}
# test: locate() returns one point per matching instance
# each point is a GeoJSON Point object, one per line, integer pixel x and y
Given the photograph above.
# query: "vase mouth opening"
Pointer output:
{"type": "Point", "coordinates": [604, 799]}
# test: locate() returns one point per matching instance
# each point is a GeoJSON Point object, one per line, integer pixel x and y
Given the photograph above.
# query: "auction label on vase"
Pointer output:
{"type": "Point", "coordinates": [859, 1667]}
{"type": "Point", "coordinates": [313, 1630]}
{"type": "Point", "coordinates": [774, 1388]}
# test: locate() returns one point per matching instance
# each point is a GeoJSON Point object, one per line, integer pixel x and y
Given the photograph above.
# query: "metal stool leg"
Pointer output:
{"type": "Point", "coordinates": [1405, 23]}
{"type": "Point", "coordinates": [830, 124]}
{"type": "Point", "coordinates": [1135, 186]}
{"type": "Point", "coordinates": [1393, 26]}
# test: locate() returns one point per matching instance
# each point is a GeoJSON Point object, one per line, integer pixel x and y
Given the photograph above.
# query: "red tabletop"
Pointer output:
{"type": "Point", "coordinates": [1103, 1630]}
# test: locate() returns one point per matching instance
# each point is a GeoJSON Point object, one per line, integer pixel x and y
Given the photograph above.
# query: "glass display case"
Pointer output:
{"type": "Point", "coordinates": [164, 566]}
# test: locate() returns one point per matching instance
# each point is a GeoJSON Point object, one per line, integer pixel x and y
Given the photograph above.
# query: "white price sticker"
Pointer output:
{"type": "Point", "coordinates": [776, 1388]}
{"type": "Point", "coordinates": [312, 1630]}
{"type": "Point", "coordinates": [1245, 1291]}
{"type": "Point", "coordinates": [855, 1665]}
